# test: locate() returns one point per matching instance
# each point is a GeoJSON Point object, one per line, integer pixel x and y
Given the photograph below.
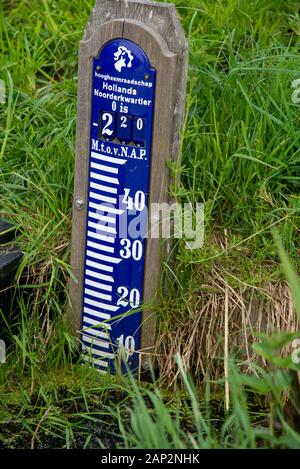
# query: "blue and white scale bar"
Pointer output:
{"type": "Point", "coordinates": [101, 234]}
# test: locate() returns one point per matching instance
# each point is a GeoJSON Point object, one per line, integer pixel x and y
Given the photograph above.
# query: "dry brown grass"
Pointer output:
{"type": "Point", "coordinates": [200, 339]}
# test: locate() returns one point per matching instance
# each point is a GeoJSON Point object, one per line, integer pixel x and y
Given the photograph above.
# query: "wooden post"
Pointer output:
{"type": "Point", "coordinates": [156, 36]}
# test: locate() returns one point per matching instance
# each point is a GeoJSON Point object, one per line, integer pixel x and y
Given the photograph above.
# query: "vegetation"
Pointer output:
{"type": "Point", "coordinates": [240, 155]}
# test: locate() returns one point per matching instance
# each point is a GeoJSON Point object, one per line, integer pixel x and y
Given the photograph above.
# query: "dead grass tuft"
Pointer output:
{"type": "Point", "coordinates": [200, 341]}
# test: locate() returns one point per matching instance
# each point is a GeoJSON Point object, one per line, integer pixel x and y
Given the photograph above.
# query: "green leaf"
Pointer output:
{"type": "Point", "coordinates": [277, 340]}
{"type": "Point", "coordinates": [255, 383]}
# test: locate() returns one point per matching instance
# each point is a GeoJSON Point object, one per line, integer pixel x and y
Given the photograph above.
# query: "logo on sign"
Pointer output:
{"type": "Point", "coordinates": [123, 58]}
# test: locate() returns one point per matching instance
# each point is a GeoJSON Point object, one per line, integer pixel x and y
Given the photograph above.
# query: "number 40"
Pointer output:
{"type": "Point", "coordinates": [137, 202]}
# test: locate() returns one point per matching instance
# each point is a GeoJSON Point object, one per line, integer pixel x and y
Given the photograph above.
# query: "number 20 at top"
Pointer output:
{"type": "Point", "coordinates": [123, 127]}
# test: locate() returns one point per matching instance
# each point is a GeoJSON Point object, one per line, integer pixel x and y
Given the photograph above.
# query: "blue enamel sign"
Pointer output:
{"type": "Point", "coordinates": [123, 93]}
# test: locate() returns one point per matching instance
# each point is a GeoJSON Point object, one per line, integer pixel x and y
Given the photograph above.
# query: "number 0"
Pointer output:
{"type": "Point", "coordinates": [140, 124]}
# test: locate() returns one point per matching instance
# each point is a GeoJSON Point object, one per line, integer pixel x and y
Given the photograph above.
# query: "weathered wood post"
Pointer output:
{"type": "Point", "coordinates": [131, 101]}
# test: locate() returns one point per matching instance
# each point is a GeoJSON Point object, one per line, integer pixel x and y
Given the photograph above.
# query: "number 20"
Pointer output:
{"type": "Point", "coordinates": [134, 297]}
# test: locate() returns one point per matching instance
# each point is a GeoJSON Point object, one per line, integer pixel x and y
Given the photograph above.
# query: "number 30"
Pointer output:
{"type": "Point", "coordinates": [134, 250]}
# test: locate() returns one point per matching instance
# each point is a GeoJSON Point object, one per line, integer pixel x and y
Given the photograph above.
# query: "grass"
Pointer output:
{"type": "Point", "coordinates": [240, 155]}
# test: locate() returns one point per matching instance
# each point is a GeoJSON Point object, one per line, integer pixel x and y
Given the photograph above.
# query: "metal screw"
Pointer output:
{"type": "Point", "coordinates": [147, 77]}
{"type": "Point", "coordinates": [79, 203]}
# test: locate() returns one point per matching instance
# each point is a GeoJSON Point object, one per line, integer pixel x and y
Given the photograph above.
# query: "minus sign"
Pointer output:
{"type": "Point", "coordinates": [95, 124]}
